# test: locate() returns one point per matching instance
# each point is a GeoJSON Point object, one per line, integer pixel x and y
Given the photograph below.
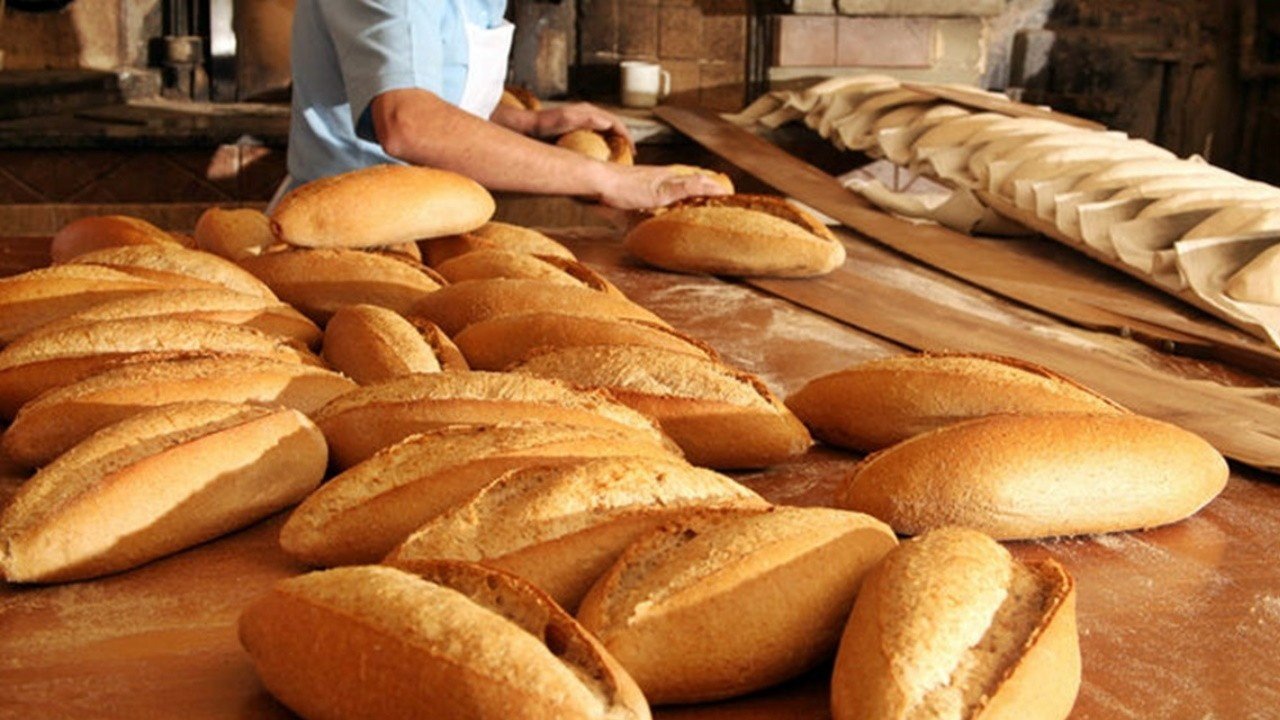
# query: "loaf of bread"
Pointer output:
{"type": "Point", "coordinates": [362, 422]}
{"type": "Point", "coordinates": [456, 307]}
{"type": "Point", "coordinates": [319, 282]}
{"type": "Point", "coordinates": [1034, 476]}
{"type": "Point", "coordinates": [755, 235]}
{"type": "Point", "coordinates": [490, 264]}
{"type": "Point", "coordinates": [519, 98]}
{"type": "Point", "coordinates": [494, 236]}
{"type": "Point", "coordinates": [370, 344]}
{"type": "Point", "coordinates": [210, 304]}
{"type": "Point", "coordinates": [234, 234]}
{"type": "Point", "coordinates": [720, 417]}
{"type": "Point", "coordinates": [951, 626]}
{"type": "Point", "coordinates": [156, 483]}
{"type": "Point", "coordinates": [106, 231]}
{"type": "Point", "coordinates": [381, 205]}
{"type": "Point", "coordinates": [363, 513]}
{"type": "Point", "coordinates": [561, 527]}
{"type": "Point", "coordinates": [606, 146]}
{"type": "Point", "coordinates": [498, 343]}
{"type": "Point", "coordinates": [175, 265]}
{"type": "Point", "coordinates": [55, 421]}
{"type": "Point", "coordinates": [45, 360]}
{"type": "Point", "coordinates": [38, 297]}
{"type": "Point", "coordinates": [1258, 281]}
{"type": "Point", "coordinates": [719, 177]}
{"type": "Point", "coordinates": [716, 605]}
{"type": "Point", "coordinates": [451, 641]}
{"type": "Point", "coordinates": [881, 402]}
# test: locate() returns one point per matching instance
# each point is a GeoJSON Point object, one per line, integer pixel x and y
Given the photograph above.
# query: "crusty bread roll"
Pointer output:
{"type": "Point", "coordinates": [717, 605]}
{"type": "Point", "coordinates": [490, 264]}
{"type": "Point", "coordinates": [456, 307]}
{"type": "Point", "coordinates": [453, 641]}
{"type": "Point", "coordinates": [156, 483]}
{"type": "Point", "coordinates": [234, 234]}
{"type": "Point", "coordinates": [105, 231]}
{"type": "Point", "coordinates": [878, 403]}
{"type": "Point", "coordinates": [44, 360]}
{"type": "Point", "coordinates": [561, 527]}
{"type": "Point", "coordinates": [754, 235]}
{"type": "Point", "coordinates": [370, 344]}
{"type": "Point", "coordinates": [720, 178]}
{"type": "Point", "coordinates": [502, 341]}
{"type": "Point", "coordinates": [319, 282]}
{"type": "Point", "coordinates": [604, 146]}
{"type": "Point", "coordinates": [950, 626]}
{"type": "Point", "coordinates": [519, 98]}
{"type": "Point", "coordinates": [381, 205]}
{"type": "Point", "coordinates": [37, 297]}
{"type": "Point", "coordinates": [494, 235]}
{"type": "Point", "coordinates": [363, 513]}
{"type": "Point", "coordinates": [52, 423]}
{"type": "Point", "coordinates": [211, 304]}
{"type": "Point", "coordinates": [362, 422]}
{"type": "Point", "coordinates": [1034, 476]}
{"type": "Point", "coordinates": [1258, 281]}
{"type": "Point", "coordinates": [173, 264]}
{"type": "Point", "coordinates": [720, 417]}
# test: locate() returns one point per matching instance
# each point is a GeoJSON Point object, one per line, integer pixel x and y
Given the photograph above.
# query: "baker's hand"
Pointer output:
{"type": "Point", "coordinates": [641, 187]}
{"type": "Point", "coordinates": [561, 119]}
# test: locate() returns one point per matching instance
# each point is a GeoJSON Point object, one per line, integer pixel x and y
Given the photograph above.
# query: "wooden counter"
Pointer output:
{"type": "Point", "coordinates": [1179, 622]}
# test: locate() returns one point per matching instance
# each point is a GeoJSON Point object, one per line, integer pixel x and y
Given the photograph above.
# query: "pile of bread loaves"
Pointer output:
{"type": "Point", "coordinates": [1123, 197]}
{"type": "Point", "coordinates": [509, 440]}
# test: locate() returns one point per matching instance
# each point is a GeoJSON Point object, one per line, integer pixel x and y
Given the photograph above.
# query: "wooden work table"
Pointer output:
{"type": "Point", "coordinates": [1178, 622]}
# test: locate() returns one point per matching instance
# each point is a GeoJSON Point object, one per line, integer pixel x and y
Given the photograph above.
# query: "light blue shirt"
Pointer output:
{"type": "Point", "coordinates": [346, 52]}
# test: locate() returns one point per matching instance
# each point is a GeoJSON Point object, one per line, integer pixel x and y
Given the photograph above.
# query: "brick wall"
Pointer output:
{"type": "Point", "coordinates": [87, 34]}
{"type": "Point", "coordinates": [703, 43]}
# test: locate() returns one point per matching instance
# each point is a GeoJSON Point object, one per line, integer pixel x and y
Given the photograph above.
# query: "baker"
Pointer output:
{"type": "Point", "coordinates": [412, 81]}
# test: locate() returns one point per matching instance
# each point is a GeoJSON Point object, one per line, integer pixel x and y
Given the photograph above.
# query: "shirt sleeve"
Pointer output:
{"type": "Point", "coordinates": [382, 46]}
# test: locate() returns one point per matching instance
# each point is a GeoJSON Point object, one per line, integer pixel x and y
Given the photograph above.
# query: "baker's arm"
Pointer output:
{"type": "Point", "coordinates": [549, 122]}
{"type": "Point", "coordinates": [418, 127]}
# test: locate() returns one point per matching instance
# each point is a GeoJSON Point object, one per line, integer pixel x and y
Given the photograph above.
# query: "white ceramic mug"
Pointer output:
{"type": "Point", "coordinates": [643, 83]}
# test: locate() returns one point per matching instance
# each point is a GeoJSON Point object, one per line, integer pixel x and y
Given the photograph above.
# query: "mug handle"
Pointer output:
{"type": "Point", "coordinates": [664, 88]}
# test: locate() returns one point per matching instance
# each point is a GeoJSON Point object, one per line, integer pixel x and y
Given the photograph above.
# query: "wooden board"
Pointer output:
{"type": "Point", "coordinates": [1179, 622]}
{"type": "Point", "coordinates": [1016, 269]}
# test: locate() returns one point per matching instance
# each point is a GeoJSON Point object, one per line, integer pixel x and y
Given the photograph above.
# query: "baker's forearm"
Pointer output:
{"type": "Point", "coordinates": [420, 128]}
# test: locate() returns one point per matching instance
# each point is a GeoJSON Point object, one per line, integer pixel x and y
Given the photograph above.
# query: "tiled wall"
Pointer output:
{"type": "Point", "coordinates": [703, 43]}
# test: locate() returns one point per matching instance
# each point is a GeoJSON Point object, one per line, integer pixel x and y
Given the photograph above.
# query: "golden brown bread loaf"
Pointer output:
{"type": "Point", "coordinates": [362, 422]}
{"type": "Point", "coordinates": [156, 483]}
{"type": "Point", "coordinates": [494, 235]}
{"type": "Point", "coordinates": [105, 231]}
{"type": "Point", "coordinates": [45, 360]}
{"type": "Point", "coordinates": [234, 234]}
{"type": "Point", "coordinates": [881, 402]}
{"type": "Point", "coordinates": [52, 423]}
{"type": "Point", "coordinates": [720, 417]}
{"type": "Point", "coordinates": [381, 205]}
{"type": "Point", "coordinates": [717, 605]}
{"type": "Point", "coordinates": [490, 264]}
{"type": "Point", "coordinates": [561, 527]}
{"type": "Point", "coordinates": [1033, 476]}
{"type": "Point", "coordinates": [950, 626]}
{"type": "Point", "coordinates": [370, 343]}
{"type": "Point", "coordinates": [456, 307]}
{"type": "Point", "coordinates": [362, 514]}
{"type": "Point", "coordinates": [209, 304]}
{"type": "Point", "coordinates": [498, 343]}
{"type": "Point", "coordinates": [318, 282]}
{"type": "Point", "coordinates": [754, 235]}
{"type": "Point", "coordinates": [519, 98]}
{"type": "Point", "coordinates": [606, 146]}
{"type": "Point", "coordinates": [37, 297]}
{"type": "Point", "coordinates": [720, 178]}
{"type": "Point", "coordinates": [452, 641]}
{"type": "Point", "coordinates": [176, 264]}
